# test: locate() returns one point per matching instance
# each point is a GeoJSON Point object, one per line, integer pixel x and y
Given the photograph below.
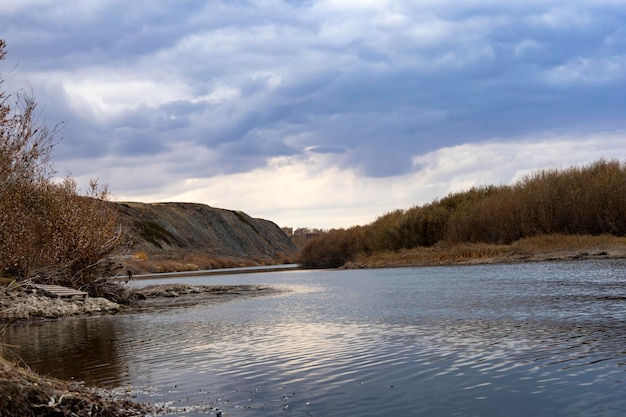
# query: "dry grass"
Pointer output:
{"type": "Point", "coordinates": [556, 242]}
{"type": "Point", "coordinates": [538, 248]}
{"type": "Point", "coordinates": [185, 261]}
{"type": "Point", "coordinates": [4, 282]}
{"type": "Point", "coordinates": [25, 393]}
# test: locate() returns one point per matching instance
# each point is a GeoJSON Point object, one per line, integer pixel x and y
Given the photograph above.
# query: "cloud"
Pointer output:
{"type": "Point", "coordinates": [589, 71]}
{"type": "Point", "coordinates": [525, 47]}
{"type": "Point", "coordinates": [562, 17]}
{"type": "Point", "coordinates": [188, 93]}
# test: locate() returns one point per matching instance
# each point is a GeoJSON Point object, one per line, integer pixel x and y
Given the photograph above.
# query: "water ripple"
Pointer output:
{"type": "Point", "coordinates": [485, 341]}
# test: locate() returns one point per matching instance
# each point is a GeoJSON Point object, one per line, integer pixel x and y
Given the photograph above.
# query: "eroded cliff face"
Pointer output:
{"type": "Point", "coordinates": [178, 227]}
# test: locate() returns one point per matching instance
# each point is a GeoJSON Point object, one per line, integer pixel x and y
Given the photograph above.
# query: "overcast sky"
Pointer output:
{"type": "Point", "coordinates": [320, 113]}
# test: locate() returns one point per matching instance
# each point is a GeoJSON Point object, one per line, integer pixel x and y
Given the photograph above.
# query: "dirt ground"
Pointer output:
{"type": "Point", "coordinates": [183, 295]}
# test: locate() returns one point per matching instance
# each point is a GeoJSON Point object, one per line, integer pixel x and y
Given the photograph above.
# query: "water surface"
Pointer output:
{"type": "Point", "coordinates": [545, 339]}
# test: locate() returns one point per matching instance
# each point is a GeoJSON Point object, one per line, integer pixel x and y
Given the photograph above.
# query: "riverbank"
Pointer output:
{"type": "Point", "coordinates": [162, 296]}
{"type": "Point", "coordinates": [20, 305]}
{"type": "Point", "coordinates": [217, 271]}
{"type": "Point", "coordinates": [17, 304]}
{"type": "Point", "coordinates": [534, 249]}
{"type": "Point", "coordinates": [25, 393]}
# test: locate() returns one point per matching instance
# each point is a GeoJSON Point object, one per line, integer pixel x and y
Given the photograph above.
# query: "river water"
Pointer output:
{"type": "Point", "coordinates": [540, 339]}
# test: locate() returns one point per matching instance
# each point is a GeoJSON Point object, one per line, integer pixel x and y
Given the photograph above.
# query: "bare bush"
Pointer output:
{"type": "Point", "coordinates": [47, 230]}
{"type": "Point", "coordinates": [588, 200]}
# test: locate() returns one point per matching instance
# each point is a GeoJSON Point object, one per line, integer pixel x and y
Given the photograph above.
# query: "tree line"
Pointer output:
{"type": "Point", "coordinates": [49, 232]}
{"type": "Point", "coordinates": [587, 200]}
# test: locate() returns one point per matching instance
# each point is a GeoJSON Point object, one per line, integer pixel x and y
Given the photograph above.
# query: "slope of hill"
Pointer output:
{"type": "Point", "coordinates": [200, 233]}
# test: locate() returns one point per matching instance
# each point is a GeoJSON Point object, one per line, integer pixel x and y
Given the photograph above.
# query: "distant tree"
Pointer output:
{"type": "Point", "coordinates": [587, 200]}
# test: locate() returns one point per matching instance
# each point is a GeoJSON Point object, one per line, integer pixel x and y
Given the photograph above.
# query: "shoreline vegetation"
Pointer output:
{"type": "Point", "coordinates": [534, 249]}
{"type": "Point", "coordinates": [25, 393]}
{"type": "Point", "coordinates": [548, 211]}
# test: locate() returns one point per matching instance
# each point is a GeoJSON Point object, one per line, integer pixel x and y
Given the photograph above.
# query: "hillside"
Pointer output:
{"type": "Point", "coordinates": [195, 236]}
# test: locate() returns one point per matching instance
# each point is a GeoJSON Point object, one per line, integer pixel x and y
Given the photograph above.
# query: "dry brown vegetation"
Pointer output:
{"type": "Point", "coordinates": [185, 261]}
{"type": "Point", "coordinates": [24, 393]}
{"type": "Point", "coordinates": [485, 221]}
{"type": "Point", "coordinates": [537, 248]}
{"type": "Point", "coordinates": [48, 232]}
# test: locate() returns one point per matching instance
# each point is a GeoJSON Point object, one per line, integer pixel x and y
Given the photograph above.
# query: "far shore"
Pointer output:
{"type": "Point", "coordinates": [534, 249]}
{"type": "Point", "coordinates": [217, 271]}
{"type": "Point", "coordinates": [542, 248]}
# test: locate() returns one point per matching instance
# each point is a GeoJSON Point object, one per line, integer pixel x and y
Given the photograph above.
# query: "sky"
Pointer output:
{"type": "Point", "coordinates": [320, 114]}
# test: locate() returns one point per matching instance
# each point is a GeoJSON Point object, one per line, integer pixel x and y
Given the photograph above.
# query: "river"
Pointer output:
{"type": "Point", "coordinates": [540, 339]}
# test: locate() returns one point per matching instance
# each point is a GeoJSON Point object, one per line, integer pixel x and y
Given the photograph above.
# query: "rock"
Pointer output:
{"type": "Point", "coordinates": [97, 305]}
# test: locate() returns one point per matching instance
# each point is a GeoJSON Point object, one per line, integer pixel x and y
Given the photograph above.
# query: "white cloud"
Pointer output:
{"type": "Point", "coordinates": [111, 96]}
{"type": "Point", "coordinates": [353, 6]}
{"type": "Point", "coordinates": [525, 47]}
{"type": "Point", "coordinates": [562, 17]}
{"type": "Point", "coordinates": [588, 71]}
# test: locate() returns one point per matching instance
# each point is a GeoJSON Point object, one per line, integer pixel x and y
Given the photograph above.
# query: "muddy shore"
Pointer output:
{"type": "Point", "coordinates": [18, 305]}
{"type": "Point", "coordinates": [560, 249]}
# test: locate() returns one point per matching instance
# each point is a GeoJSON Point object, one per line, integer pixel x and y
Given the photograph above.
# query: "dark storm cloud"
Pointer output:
{"type": "Point", "coordinates": [72, 33]}
{"type": "Point", "coordinates": [375, 82]}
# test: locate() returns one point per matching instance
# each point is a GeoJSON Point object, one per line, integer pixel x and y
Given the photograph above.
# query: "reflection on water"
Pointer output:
{"type": "Point", "coordinates": [84, 348]}
{"type": "Point", "coordinates": [535, 339]}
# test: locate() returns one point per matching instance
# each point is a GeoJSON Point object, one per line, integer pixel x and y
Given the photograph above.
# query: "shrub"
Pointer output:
{"type": "Point", "coordinates": [588, 200]}
{"type": "Point", "coordinates": [48, 231]}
